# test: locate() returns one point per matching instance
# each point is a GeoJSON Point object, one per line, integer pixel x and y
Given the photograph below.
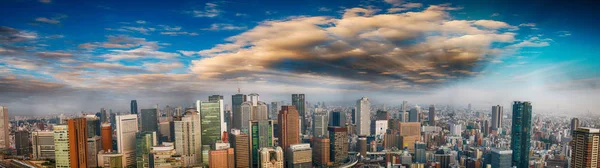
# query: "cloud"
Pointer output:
{"type": "Point", "coordinates": [53, 54]}
{"type": "Point", "coordinates": [45, 1]}
{"type": "Point", "coordinates": [162, 66]}
{"type": "Point", "coordinates": [210, 10]}
{"type": "Point", "coordinates": [394, 2]}
{"type": "Point", "coordinates": [241, 14]}
{"type": "Point", "coordinates": [119, 41]}
{"type": "Point", "coordinates": [13, 84]}
{"type": "Point", "coordinates": [527, 24]}
{"type": "Point", "coordinates": [46, 20]}
{"type": "Point", "coordinates": [324, 9]}
{"type": "Point", "coordinates": [495, 14]}
{"type": "Point", "coordinates": [179, 33]}
{"type": "Point", "coordinates": [11, 35]}
{"type": "Point", "coordinates": [224, 26]}
{"type": "Point", "coordinates": [532, 42]}
{"type": "Point", "coordinates": [109, 66]}
{"type": "Point", "coordinates": [423, 48]}
{"type": "Point", "coordinates": [148, 50]}
{"type": "Point", "coordinates": [20, 63]}
{"type": "Point", "coordinates": [563, 33]}
{"type": "Point", "coordinates": [140, 22]}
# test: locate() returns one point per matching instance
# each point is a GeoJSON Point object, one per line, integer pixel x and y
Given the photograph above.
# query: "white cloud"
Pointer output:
{"type": "Point", "coordinates": [324, 9]}
{"type": "Point", "coordinates": [210, 10]}
{"type": "Point", "coordinates": [140, 22]}
{"type": "Point", "coordinates": [145, 51]}
{"type": "Point", "coordinates": [46, 20]}
{"type": "Point", "coordinates": [563, 33]}
{"type": "Point", "coordinates": [527, 24]}
{"type": "Point", "coordinates": [224, 26]}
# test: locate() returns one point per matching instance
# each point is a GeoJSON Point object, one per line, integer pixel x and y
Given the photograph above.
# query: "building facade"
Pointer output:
{"type": "Point", "coordinates": [338, 139]}
{"type": "Point", "coordinates": [521, 133]}
{"type": "Point", "coordinates": [497, 116]}
{"type": "Point", "coordinates": [299, 101]}
{"type": "Point", "coordinates": [363, 119]}
{"type": "Point", "coordinates": [188, 139]}
{"type": "Point", "coordinates": [586, 148]}
{"type": "Point", "coordinates": [240, 144]}
{"type": "Point", "coordinates": [43, 144]}
{"type": "Point", "coordinates": [288, 126]}
{"type": "Point", "coordinates": [4, 128]}
{"type": "Point", "coordinates": [321, 152]}
{"type": "Point", "coordinates": [320, 124]}
{"type": "Point", "coordinates": [271, 157]}
{"type": "Point", "coordinates": [299, 156]}
{"type": "Point", "coordinates": [126, 129]}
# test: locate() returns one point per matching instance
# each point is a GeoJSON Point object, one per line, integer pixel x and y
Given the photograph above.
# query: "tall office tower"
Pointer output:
{"type": "Point", "coordinates": [178, 111]}
{"type": "Point", "coordinates": [337, 119]}
{"type": "Point", "coordinates": [486, 128]}
{"type": "Point", "coordinates": [149, 118]}
{"type": "Point", "coordinates": [43, 144]}
{"type": "Point", "coordinates": [188, 138]}
{"type": "Point", "coordinates": [113, 120]}
{"type": "Point", "coordinates": [521, 133]}
{"type": "Point", "coordinates": [432, 115]}
{"type": "Point", "coordinates": [144, 142]}
{"type": "Point", "coordinates": [4, 129]}
{"type": "Point", "coordinates": [353, 115]}
{"type": "Point", "coordinates": [239, 142]}
{"type": "Point", "coordinates": [93, 147]}
{"type": "Point", "coordinates": [71, 143]}
{"type": "Point", "coordinates": [363, 120]}
{"type": "Point", "coordinates": [271, 157]}
{"type": "Point", "coordinates": [212, 119]}
{"type": "Point", "coordinates": [574, 124]}
{"type": "Point", "coordinates": [288, 126]}
{"type": "Point", "coordinates": [134, 107]}
{"type": "Point", "coordinates": [61, 146]}
{"type": "Point", "coordinates": [410, 132]}
{"type": "Point", "coordinates": [261, 135]}
{"type": "Point", "coordinates": [93, 126]}
{"type": "Point", "coordinates": [221, 158]}
{"type": "Point", "coordinates": [319, 125]}
{"type": "Point", "coordinates": [501, 158]}
{"type": "Point", "coordinates": [126, 128]}
{"type": "Point", "coordinates": [420, 149]}
{"type": "Point", "coordinates": [275, 108]}
{"type": "Point", "coordinates": [246, 115]}
{"type": "Point", "coordinates": [338, 139]}
{"type": "Point", "coordinates": [106, 137]}
{"type": "Point", "coordinates": [413, 115]}
{"type": "Point", "coordinates": [404, 111]}
{"type": "Point", "coordinates": [586, 148]}
{"type": "Point", "coordinates": [103, 115]}
{"type": "Point", "coordinates": [22, 144]}
{"type": "Point", "coordinates": [497, 115]}
{"type": "Point", "coordinates": [321, 152]}
{"type": "Point", "coordinates": [299, 101]}
{"type": "Point", "coordinates": [299, 155]}
{"type": "Point", "coordinates": [236, 109]}
{"type": "Point", "coordinates": [219, 99]}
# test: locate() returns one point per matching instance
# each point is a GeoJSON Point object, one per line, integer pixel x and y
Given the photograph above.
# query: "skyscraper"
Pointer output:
{"type": "Point", "coordinates": [149, 118]}
{"type": "Point", "coordinates": [4, 129]}
{"type": "Point", "coordinates": [103, 115]}
{"type": "Point", "coordinates": [321, 151]}
{"type": "Point", "coordinates": [574, 124]}
{"type": "Point", "coordinates": [219, 99]}
{"type": "Point", "coordinates": [134, 107]}
{"type": "Point", "coordinates": [240, 144]}
{"type": "Point", "coordinates": [337, 119]}
{"type": "Point", "coordinates": [22, 144]}
{"type": "Point", "coordinates": [188, 139]}
{"type": "Point", "coordinates": [236, 109]}
{"type": "Point", "coordinates": [413, 115]}
{"type": "Point", "coordinates": [300, 103]}
{"type": "Point", "coordinates": [319, 125]}
{"type": "Point", "coordinates": [497, 113]}
{"type": "Point", "coordinates": [126, 128]}
{"type": "Point", "coordinates": [432, 115]}
{"type": "Point", "coordinates": [420, 149]}
{"type": "Point", "coordinates": [61, 146]}
{"type": "Point", "coordinates": [338, 139]}
{"type": "Point", "coordinates": [586, 148]}
{"type": "Point", "coordinates": [77, 138]}
{"type": "Point", "coordinates": [404, 111]}
{"type": "Point", "coordinates": [261, 135]}
{"type": "Point", "coordinates": [288, 126]}
{"type": "Point", "coordinates": [275, 108]}
{"type": "Point", "coordinates": [106, 137]}
{"type": "Point", "coordinates": [363, 119]}
{"type": "Point", "coordinates": [521, 133]}
{"type": "Point", "coordinates": [211, 117]}
{"type": "Point", "coordinates": [144, 142]}
{"type": "Point", "coordinates": [221, 158]}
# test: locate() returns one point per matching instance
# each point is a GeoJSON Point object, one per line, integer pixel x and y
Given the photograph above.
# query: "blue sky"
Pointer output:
{"type": "Point", "coordinates": [426, 52]}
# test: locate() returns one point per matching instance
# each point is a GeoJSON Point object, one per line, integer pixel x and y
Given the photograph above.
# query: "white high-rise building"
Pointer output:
{"type": "Point", "coordinates": [126, 128]}
{"type": "Point", "coordinates": [187, 139]}
{"type": "Point", "coordinates": [363, 116]}
{"type": "Point", "coordinates": [319, 125]}
{"type": "Point", "coordinates": [4, 138]}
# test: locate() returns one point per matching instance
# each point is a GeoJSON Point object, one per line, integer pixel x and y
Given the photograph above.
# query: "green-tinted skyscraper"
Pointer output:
{"type": "Point", "coordinates": [521, 133]}
{"type": "Point", "coordinates": [210, 117]}
{"type": "Point", "coordinates": [144, 142]}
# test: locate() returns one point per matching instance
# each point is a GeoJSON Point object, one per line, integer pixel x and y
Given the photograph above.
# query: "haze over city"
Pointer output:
{"type": "Point", "coordinates": [71, 56]}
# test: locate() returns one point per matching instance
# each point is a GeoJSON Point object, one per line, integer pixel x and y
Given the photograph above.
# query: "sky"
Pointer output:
{"type": "Point", "coordinates": [60, 56]}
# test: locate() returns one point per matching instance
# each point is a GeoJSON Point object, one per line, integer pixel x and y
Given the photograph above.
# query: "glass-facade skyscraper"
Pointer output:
{"type": "Point", "coordinates": [210, 118]}
{"type": "Point", "coordinates": [299, 101]}
{"type": "Point", "coordinates": [236, 110]}
{"type": "Point", "coordinates": [521, 133]}
{"type": "Point", "coordinates": [149, 120]}
{"type": "Point", "coordinates": [134, 107]}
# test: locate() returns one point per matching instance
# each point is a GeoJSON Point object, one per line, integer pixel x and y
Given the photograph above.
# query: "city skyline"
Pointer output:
{"type": "Point", "coordinates": [65, 57]}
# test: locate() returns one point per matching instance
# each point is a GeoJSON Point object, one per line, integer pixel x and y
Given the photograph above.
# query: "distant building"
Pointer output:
{"type": "Point", "coordinates": [261, 135]}
{"type": "Point", "coordinates": [93, 147]}
{"type": "Point", "coordinates": [320, 124]}
{"type": "Point", "coordinates": [241, 145]}
{"type": "Point", "coordinates": [110, 159]}
{"type": "Point", "coordinates": [187, 139]}
{"type": "Point", "coordinates": [521, 133]}
{"type": "Point", "coordinates": [271, 157]}
{"type": "Point", "coordinates": [501, 158]}
{"type": "Point", "coordinates": [126, 128]}
{"type": "Point", "coordinates": [43, 145]}
{"type": "Point", "coordinates": [413, 115]}
{"type": "Point", "coordinates": [420, 156]}
{"type": "Point", "coordinates": [134, 107]}
{"type": "Point", "coordinates": [149, 119]}
{"type": "Point", "coordinates": [574, 125]}
{"type": "Point", "coordinates": [275, 108]}
{"type": "Point", "coordinates": [337, 119]}
{"type": "Point", "coordinates": [144, 142]}
{"type": "Point", "coordinates": [106, 135]}
{"type": "Point", "coordinates": [212, 119]}
{"type": "Point", "coordinates": [164, 156]}
{"type": "Point", "coordinates": [338, 138]}
{"type": "Point", "coordinates": [299, 101]}
{"type": "Point", "coordinates": [431, 117]}
{"type": "Point", "coordinates": [70, 143]}
{"type": "Point", "coordinates": [321, 152]}
{"type": "Point", "coordinates": [22, 144]}
{"type": "Point", "coordinates": [4, 128]}
{"type": "Point", "coordinates": [585, 145]}
{"type": "Point", "coordinates": [363, 120]}
{"type": "Point", "coordinates": [288, 126]}
{"type": "Point", "coordinates": [362, 146]}
{"type": "Point", "coordinates": [497, 115]}
{"type": "Point", "coordinates": [236, 110]}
